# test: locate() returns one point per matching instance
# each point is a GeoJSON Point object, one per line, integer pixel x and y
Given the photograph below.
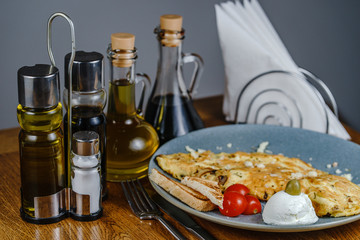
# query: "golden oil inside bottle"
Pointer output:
{"type": "Point", "coordinates": [42, 165]}
{"type": "Point", "coordinates": [130, 140]}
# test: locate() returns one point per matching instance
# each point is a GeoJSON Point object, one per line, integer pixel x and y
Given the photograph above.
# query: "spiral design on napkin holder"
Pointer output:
{"type": "Point", "coordinates": [280, 107]}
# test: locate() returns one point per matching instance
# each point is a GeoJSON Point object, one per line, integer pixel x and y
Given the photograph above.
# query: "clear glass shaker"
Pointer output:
{"type": "Point", "coordinates": [85, 204]}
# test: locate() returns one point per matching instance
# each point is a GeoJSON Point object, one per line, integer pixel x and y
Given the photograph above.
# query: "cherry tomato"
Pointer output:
{"type": "Point", "coordinates": [254, 205]}
{"type": "Point", "coordinates": [237, 187]}
{"type": "Point", "coordinates": [234, 204]}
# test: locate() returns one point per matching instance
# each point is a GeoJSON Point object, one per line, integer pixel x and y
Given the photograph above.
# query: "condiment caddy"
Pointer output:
{"type": "Point", "coordinates": [53, 186]}
{"type": "Point", "coordinates": [66, 176]}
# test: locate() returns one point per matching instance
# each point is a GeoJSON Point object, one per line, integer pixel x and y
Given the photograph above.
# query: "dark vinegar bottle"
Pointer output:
{"type": "Point", "coordinates": [170, 109]}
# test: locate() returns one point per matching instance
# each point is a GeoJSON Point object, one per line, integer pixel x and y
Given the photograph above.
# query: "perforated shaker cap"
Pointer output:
{"type": "Point", "coordinates": [124, 41]}
{"type": "Point", "coordinates": [171, 22]}
{"type": "Point", "coordinates": [85, 143]}
{"type": "Point", "coordinates": [38, 86]}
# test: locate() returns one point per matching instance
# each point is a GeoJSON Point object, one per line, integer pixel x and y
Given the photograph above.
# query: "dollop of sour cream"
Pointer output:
{"type": "Point", "coordinates": [285, 209]}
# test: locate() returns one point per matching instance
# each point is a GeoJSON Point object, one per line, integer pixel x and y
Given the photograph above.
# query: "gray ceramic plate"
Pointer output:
{"type": "Point", "coordinates": [315, 148]}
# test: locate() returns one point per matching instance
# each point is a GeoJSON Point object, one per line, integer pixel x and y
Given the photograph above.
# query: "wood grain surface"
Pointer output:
{"type": "Point", "coordinates": [118, 221]}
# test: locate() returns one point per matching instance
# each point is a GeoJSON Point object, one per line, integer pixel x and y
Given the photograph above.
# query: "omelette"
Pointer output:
{"type": "Point", "coordinates": [265, 174]}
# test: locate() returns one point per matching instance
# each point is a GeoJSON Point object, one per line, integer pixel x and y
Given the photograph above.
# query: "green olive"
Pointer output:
{"type": "Point", "coordinates": [293, 187]}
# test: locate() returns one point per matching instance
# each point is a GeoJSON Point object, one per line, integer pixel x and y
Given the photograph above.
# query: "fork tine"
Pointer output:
{"type": "Point", "coordinates": [139, 199]}
{"type": "Point", "coordinates": [129, 197]}
{"type": "Point", "coordinates": [146, 196]}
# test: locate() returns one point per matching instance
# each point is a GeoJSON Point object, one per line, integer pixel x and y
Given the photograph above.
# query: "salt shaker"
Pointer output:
{"type": "Point", "coordinates": [85, 176]}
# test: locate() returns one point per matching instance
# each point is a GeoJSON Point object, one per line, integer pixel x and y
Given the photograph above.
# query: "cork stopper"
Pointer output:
{"type": "Point", "coordinates": [171, 22]}
{"type": "Point", "coordinates": [171, 32]}
{"type": "Point", "coordinates": [125, 41]}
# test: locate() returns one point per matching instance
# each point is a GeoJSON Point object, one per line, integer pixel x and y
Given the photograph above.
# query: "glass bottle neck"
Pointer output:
{"type": "Point", "coordinates": [169, 78]}
{"type": "Point", "coordinates": [122, 86]}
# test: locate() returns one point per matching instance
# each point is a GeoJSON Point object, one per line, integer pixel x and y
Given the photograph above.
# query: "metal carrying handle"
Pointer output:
{"type": "Point", "coordinates": [198, 69]}
{"type": "Point", "coordinates": [323, 89]}
{"type": "Point", "coordinates": [51, 56]}
{"type": "Point", "coordinates": [145, 79]}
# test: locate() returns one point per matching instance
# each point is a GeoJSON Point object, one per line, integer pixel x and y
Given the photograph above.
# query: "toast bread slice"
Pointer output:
{"type": "Point", "coordinates": [184, 193]}
{"type": "Point", "coordinates": [208, 188]}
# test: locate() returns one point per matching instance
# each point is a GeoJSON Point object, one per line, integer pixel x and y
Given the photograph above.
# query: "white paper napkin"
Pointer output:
{"type": "Point", "coordinates": [250, 47]}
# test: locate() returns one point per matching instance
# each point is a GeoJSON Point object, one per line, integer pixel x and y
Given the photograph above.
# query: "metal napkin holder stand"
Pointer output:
{"type": "Point", "coordinates": [322, 92]}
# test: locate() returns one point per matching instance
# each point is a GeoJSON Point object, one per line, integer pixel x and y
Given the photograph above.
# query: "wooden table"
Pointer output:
{"type": "Point", "coordinates": [118, 221]}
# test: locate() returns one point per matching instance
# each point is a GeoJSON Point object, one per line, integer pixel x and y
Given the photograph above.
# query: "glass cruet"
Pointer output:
{"type": "Point", "coordinates": [131, 141]}
{"type": "Point", "coordinates": [170, 109]}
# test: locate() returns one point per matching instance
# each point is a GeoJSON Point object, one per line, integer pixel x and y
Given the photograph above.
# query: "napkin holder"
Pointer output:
{"type": "Point", "coordinates": [277, 105]}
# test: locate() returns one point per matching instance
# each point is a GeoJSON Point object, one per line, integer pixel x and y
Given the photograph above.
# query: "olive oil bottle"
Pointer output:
{"type": "Point", "coordinates": [42, 165]}
{"type": "Point", "coordinates": [88, 102]}
{"type": "Point", "coordinates": [131, 141]}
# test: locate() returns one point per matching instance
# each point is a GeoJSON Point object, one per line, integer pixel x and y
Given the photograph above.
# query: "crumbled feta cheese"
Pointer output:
{"type": "Point", "coordinates": [310, 158]}
{"type": "Point", "coordinates": [312, 174]}
{"type": "Point", "coordinates": [262, 147]}
{"type": "Point", "coordinates": [248, 164]}
{"type": "Point", "coordinates": [189, 149]}
{"type": "Point", "coordinates": [192, 152]}
{"type": "Point", "coordinates": [201, 150]}
{"type": "Point", "coordinates": [348, 176]}
{"type": "Point", "coordinates": [229, 145]}
{"type": "Point", "coordinates": [328, 165]}
{"type": "Point", "coordinates": [296, 175]}
{"type": "Point", "coordinates": [227, 167]}
{"type": "Point", "coordinates": [335, 164]}
{"type": "Point", "coordinates": [260, 165]}
{"type": "Point", "coordinates": [273, 175]}
{"type": "Point", "coordinates": [347, 170]}
{"type": "Point", "coordinates": [218, 148]}
{"type": "Point", "coordinates": [338, 171]}
{"type": "Point", "coordinates": [237, 158]}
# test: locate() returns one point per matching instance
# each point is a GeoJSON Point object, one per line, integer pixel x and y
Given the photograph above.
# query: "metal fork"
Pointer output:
{"type": "Point", "coordinates": [143, 207]}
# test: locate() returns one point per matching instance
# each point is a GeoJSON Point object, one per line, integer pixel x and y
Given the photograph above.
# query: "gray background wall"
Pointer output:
{"type": "Point", "coordinates": [323, 36]}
